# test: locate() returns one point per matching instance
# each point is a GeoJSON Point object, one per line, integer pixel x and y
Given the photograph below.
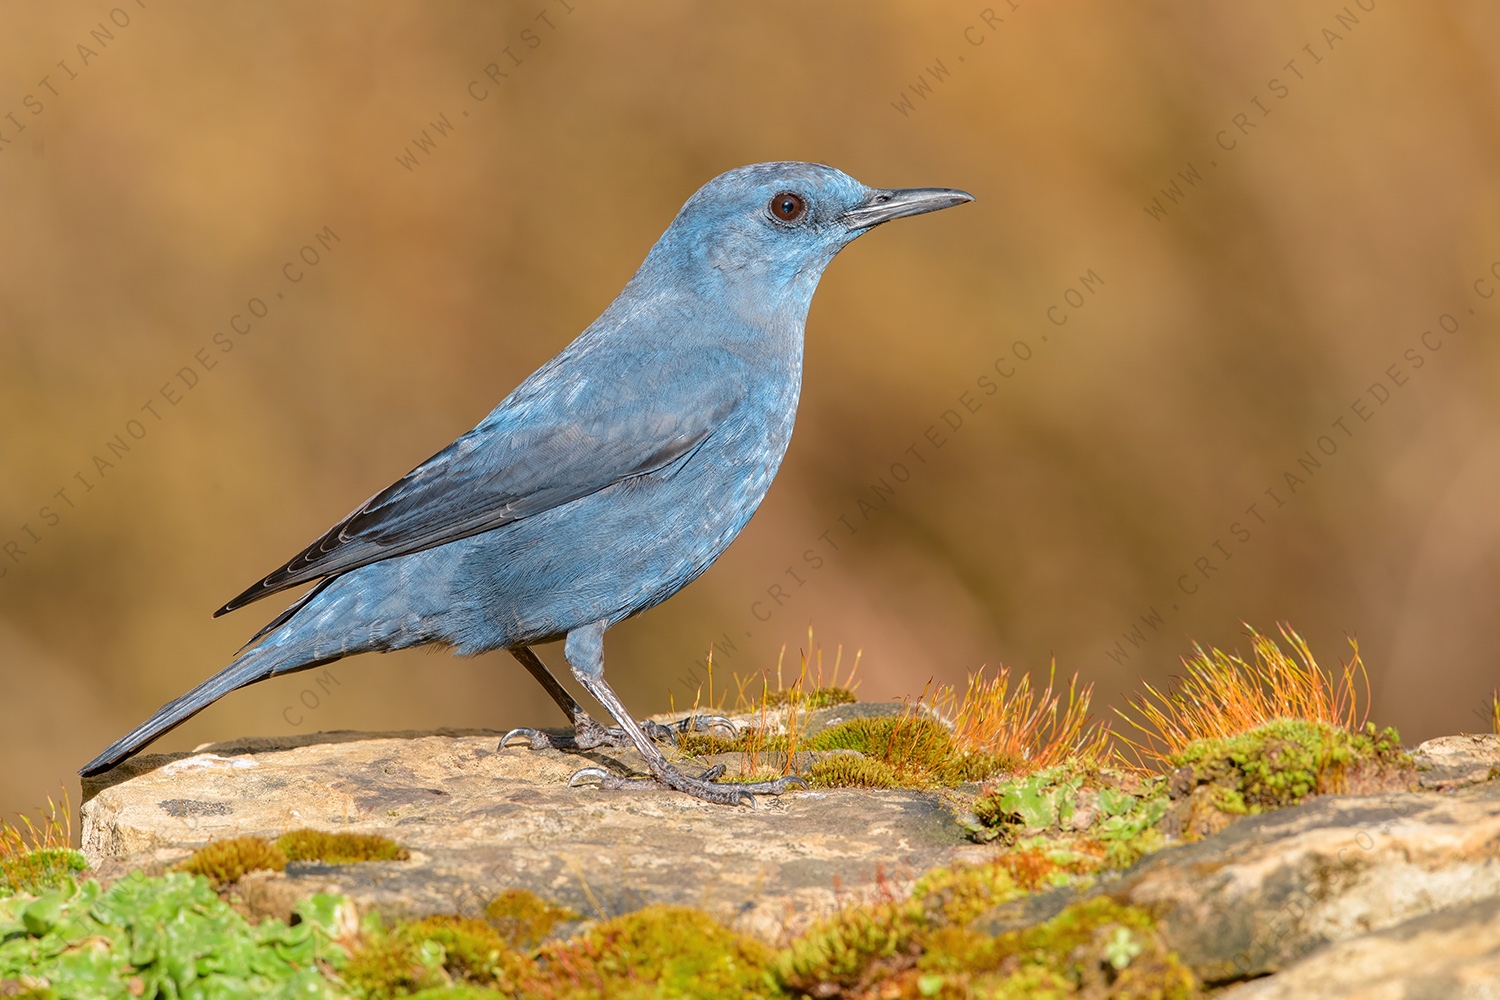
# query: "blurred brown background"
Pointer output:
{"type": "Point", "coordinates": [1211, 340]}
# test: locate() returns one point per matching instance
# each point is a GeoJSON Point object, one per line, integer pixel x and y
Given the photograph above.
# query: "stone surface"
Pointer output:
{"type": "Point", "coordinates": [1358, 891]}
{"type": "Point", "coordinates": [1271, 889]}
{"type": "Point", "coordinates": [478, 821]}
{"type": "Point", "coordinates": [1450, 955]}
{"type": "Point", "coordinates": [1450, 762]}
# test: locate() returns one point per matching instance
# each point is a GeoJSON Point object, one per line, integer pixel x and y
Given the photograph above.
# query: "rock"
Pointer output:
{"type": "Point", "coordinates": [1450, 762]}
{"type": "Point", "coordinates": [1271, 889]}
{"type": "Point", "coordinates": [1371, 894]}
{"type": "Point", "coordinates": [478, 821]}
{"type": "Point", "coordinates": [1450, 955]}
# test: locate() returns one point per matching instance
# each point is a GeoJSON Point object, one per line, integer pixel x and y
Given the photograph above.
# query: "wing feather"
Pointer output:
{"type": "Point", "coordinates": [554, 440]}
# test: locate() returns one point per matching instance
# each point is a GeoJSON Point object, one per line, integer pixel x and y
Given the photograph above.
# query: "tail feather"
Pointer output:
{"type": "Point", "coordinates": [254, 665]}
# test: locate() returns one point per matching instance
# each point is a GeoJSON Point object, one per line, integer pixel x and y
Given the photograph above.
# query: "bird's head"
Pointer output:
{"type": "Point", "coordinates": [781, 223]}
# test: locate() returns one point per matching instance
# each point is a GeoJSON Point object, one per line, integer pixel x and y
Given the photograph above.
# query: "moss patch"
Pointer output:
{"type": "Point", "coordinates": [924, 947]}
{"type": "Point", "coordinates": [908, 751]}
{"type": "Point", "coordinates": [921, 752]}
{"type": "Point", "coordinates": [658, 952]}
{"type": "Point", "coordinates": [429, 954]}
{"type": "Point", "coordinates": [34, 872]}
{"type": "Point", "coordinates": [1096, 948]}
{"type": "Point", "coordinates": [523, 919]}
{"type": "Point", "coordinates": [225, 861]}
{"type": "Point", "coordinates": [1276, 765]}
{"type": "Point", "coordinates": [307, 844]}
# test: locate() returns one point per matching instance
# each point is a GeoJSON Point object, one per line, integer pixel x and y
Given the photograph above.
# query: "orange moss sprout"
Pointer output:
{"type": "Point", "coordinates": [54, 832]}
{"type": "Point", "coordinates": [1223, 695]}
{"type": "Point", "coordinates": [1037, 728]}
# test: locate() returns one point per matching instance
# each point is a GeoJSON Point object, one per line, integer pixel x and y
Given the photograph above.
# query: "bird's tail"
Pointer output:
{"type": "Point", "coordinates": [257, 664]}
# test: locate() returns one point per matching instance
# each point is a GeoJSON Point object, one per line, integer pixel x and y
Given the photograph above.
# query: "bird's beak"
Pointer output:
{"type": "Point", "coordinates": [883, 206]}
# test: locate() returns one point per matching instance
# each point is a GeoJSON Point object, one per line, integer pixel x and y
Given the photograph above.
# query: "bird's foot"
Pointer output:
{"type": "Point", "coordinates": [589, 734]}
{"type": "Point", "coordinates": [706, 786]}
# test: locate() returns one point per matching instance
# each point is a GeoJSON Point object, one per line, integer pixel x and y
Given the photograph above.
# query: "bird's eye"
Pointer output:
{"type": "Point", "coordinates": [788, 207]}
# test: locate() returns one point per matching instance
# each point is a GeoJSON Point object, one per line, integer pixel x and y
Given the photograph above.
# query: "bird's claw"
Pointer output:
{"type": "Point", "coordinates": [605, 778]}
{"type": "Point", "coordinates": [535, 738]}
{"type": "Point", "coordinates": [587, 734]}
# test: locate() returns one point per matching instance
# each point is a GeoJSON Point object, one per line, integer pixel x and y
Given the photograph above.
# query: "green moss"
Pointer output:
{"type": "Point", "coordinates": [1282, 763]}
{"type": "Point", "coordinates": [308, 844]}
{"type": "Point", "coordinates": [893, 752]}
{"type": "Point", "coordinates": [1096, 948]}
{"type": "Point", "coordinates": [956, 896]}
{"type": "Point", "coordinates": [1089, 948]}
{"type": "Point", "coordinates": [523, 919]}
{"type": "Point", "coordinates": [1123, 852]}
{"type": "Point", "coordinates": [924, 946]}
{"type": "Point", "coordinates": [853, 948]}
{"type": "Point", "coordinates": [863, 945]}
{"type": "Point", "coordinates": [431, 953]}
{"type": "Point", "coordinates": [225, 861]}
{"type": "Point", "coordinates": [919, 752]}
{"type": "Point", "coordinates": [34, 872]}
{"type": "Point", "coordinates": [169, 936]}
{"type": "Point", "coordinates": [850, 771]}
{"type": "Point", "coordinates": [666, 952]}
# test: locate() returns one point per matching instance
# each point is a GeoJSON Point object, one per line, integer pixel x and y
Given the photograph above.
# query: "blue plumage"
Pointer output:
{"type": "Point", "coordinates": [607, 481]}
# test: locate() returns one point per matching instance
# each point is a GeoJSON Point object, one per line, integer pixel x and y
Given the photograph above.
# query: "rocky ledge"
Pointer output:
{"type": "Point", "coordinates": [1388, 895]}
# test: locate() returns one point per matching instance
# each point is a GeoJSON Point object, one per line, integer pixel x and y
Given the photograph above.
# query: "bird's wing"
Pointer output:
{"type": "Point", "coordinates": [554, 440]}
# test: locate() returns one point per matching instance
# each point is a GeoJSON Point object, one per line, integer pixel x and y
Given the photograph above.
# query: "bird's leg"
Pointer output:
{"type": "Point", "coordinates": [584, 650]}
{"type": "Point", "coordinates": [588, 733]}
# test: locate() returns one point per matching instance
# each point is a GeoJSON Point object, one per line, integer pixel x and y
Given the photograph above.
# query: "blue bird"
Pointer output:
{"type": "Point", "coordinates": [605, 483]}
